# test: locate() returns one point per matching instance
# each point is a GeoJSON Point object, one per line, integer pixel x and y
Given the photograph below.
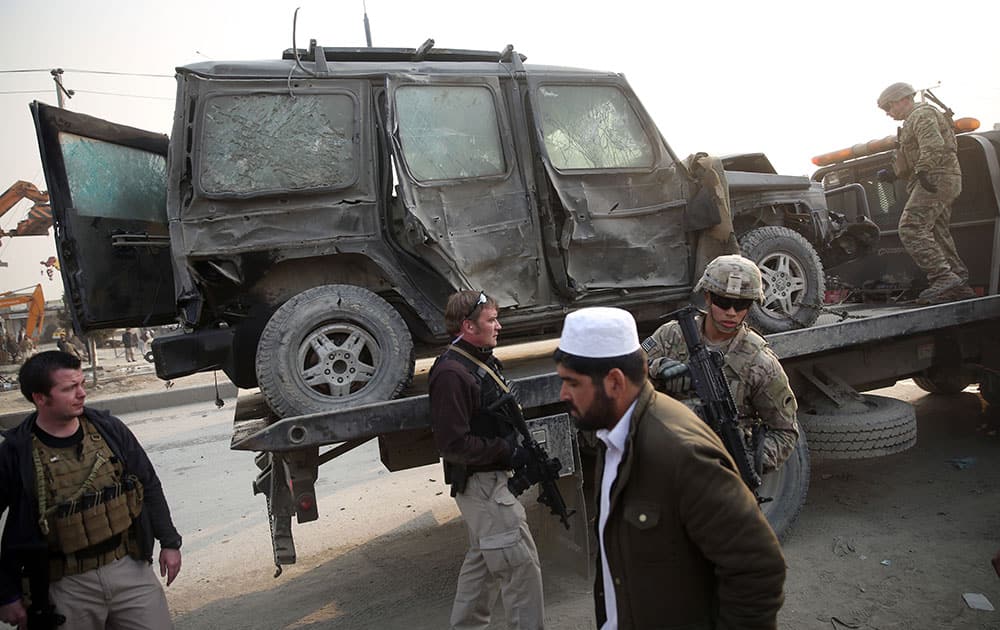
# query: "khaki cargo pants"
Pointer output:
{"type": "Point", "coordinates": [122, 595]}
{"type": "Point", "coordinates": [501, 555]}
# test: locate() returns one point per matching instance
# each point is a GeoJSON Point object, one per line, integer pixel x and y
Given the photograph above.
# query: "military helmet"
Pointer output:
{"type": "Point", "coordinates": [732, 276]}
{"type": "Point", "coordinates": [893, 93]}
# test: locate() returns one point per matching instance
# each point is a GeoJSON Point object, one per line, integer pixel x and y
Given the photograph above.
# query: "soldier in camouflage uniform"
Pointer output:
{"type": "Point", "coordinates": [928, 158]}
{"type": "Point", "coordinates": [759, 385]}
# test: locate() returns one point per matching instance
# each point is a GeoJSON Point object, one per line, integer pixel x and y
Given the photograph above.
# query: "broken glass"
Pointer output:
{"type": "Point", "coordinates": [449, 131]}
{"type": "Point", "coordinates": [592, 127]}
{"type": "Point", "coordinates": [114, 181]}
{"type": "Point", "coordinates": [273, 142]}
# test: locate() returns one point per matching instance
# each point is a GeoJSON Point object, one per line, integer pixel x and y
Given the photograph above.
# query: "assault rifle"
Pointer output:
{"type": "Point", "coordinates": [717, 401]}
{"type": "Point", "coordinates": [541, 468]}
{"type": "Point", "coordinates": [42, 614]}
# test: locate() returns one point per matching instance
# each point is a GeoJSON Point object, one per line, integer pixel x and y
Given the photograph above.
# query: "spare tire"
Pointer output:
{"type": "Point", "coordinates": [794, 284]}
{"type": "Point", "coordinates": [787, 488]}
{"type": "Point", "coordinates": [333, 346]}
{"type": "Point", "coordinates": [882, 427]}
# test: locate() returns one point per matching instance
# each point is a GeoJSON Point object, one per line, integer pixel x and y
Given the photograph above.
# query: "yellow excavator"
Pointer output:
{"type": "Point", "coordinates": [35, 300]}
{"type": "Point", "coordinates": [39, 217]}
{"type": "Point", "coordinates": [36, 308]}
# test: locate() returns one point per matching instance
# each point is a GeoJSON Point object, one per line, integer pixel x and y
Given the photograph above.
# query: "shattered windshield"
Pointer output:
{"type": "Point", "coordinates": [270, 142]}
{"type": "Point", "coordinates": [114, 181]}
{"type": "Point", "coordinates": [449, 132]}
{"type": "Point", "coordinates": [592, 127]}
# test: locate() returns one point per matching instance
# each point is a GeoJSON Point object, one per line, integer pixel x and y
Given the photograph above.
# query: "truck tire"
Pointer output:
{"type": "Point", "coordinates": [787, 487]}
{"type": "Point", "coordinates": [332, 346]}
{"type": "Point", "coordinates": [885, 427]}
{"type": "Point", "coordinates": [794, 284]}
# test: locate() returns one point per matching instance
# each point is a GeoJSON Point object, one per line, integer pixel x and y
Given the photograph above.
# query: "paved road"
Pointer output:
{"type": "Point", "coordinates": [881, 543]}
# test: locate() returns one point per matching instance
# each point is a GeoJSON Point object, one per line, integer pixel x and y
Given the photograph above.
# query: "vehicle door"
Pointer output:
{"type": "Point", "coordinates": [621, 191]}
{"type": "Point", "coordinates": [462, 186]}
{"type": "Point", "coordinates": [107, 188]}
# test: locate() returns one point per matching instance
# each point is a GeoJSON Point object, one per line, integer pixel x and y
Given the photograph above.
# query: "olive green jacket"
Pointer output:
{"type": "Point", "coordinates": [686, 543]}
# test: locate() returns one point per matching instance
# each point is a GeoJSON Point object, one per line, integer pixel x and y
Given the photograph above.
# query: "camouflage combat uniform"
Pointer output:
{"type": "Point", "coordinates": [759, 385]}
{"type": "Point", "coordinates": [927, 145]}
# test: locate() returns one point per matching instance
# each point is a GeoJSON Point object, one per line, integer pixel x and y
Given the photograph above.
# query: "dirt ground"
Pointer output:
{"type": "Point", "coordinates": [888, 543]}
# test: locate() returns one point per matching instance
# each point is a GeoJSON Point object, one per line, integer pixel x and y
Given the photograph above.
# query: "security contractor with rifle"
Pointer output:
{"type": "Point", "coordinates": [681, 541]}
{"type": "Point", "coordinates": [84, 505]}
{"type": "Point", "coordinates": [764, 400]}
{"type": "Point", "coordinates": [474, 432]}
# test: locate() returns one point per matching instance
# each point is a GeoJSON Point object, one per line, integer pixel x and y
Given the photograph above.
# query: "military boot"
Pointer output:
{"type": "Point", "coordinates": [961, 292]}
{"type": "Point", "coordinates": [942, 284]}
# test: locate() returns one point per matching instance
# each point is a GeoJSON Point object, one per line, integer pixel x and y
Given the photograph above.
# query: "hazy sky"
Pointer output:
{"type": "Point", "coordinates": [789, 78]}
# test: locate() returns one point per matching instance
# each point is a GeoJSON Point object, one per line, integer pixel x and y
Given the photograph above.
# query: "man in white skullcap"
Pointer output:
{"type": "Point", "coordinates": [681, 540]}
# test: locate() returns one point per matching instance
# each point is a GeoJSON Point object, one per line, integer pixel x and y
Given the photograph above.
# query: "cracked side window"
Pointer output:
{"type": "Point", "coordinates": [255, 143]}
{"type": "Point", "coordinates": [592, 127]}
{"type": "Point", "coordinates": [139, 191]}
{"type": "Point", "coordinates": [449, 132]}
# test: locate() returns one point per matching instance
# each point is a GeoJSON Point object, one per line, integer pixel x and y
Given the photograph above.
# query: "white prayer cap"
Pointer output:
{"type": "Point", "coordinates": [599, 332]}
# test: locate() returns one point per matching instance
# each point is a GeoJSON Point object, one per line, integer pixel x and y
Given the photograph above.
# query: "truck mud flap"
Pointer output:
{"type": "Point", "coordinates": [272, 484]}
{"type": "Point", "coordinates": [557, 545]}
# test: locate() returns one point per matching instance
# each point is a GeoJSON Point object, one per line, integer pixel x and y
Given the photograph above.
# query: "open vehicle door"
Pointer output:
{"type": "Point", "coordinates": [622, 192]}
{"type": "Point", "coordinates": [107, 186]}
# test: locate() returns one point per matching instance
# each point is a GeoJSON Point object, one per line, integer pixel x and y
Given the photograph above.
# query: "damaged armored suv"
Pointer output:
{"type": "Point", "coordinates": [308, 216]}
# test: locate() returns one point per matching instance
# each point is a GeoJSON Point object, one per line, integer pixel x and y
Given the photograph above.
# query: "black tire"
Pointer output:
{"type": "Point", "coordinates": [794, 284]}
{"type": "Point", "coordinates": [367, 346]}
{"type": "Point", "coordinates": [787, 488]}
{"type": "Point", "coordinates": [148, 356]}
{"type": "Point", "coordinates": [940, 383]}
{"type": "Point", "coordinates": [884, 427]}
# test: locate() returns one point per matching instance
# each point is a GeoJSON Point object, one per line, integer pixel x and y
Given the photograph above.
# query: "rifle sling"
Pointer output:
{"type": "Point", "coordinates": [503, 386]}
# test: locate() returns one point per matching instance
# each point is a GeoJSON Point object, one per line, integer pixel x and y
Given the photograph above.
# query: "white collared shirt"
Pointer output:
{"type": "Point", "coordinates": [615, 441]}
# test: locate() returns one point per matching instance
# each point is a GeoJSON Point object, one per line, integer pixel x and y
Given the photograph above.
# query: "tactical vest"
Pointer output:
{"type": "Point", "coordinates": [739, 358]}
{"type": "Point", "coordinates": [86, 503]}
{"type": "Point", "coordinates": [946, 160]}
{"type": "Point", "coordinates": [485, 423]}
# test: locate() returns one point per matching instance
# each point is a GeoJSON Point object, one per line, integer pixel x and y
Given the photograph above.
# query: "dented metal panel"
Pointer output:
{"type": "Point", "coordinates": [616, 179]}
{"type": "Point", "coordinates": [475, 219]}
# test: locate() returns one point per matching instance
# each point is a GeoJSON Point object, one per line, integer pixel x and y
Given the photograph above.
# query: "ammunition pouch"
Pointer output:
{"type": "Point", "coordinates": [97, 517]}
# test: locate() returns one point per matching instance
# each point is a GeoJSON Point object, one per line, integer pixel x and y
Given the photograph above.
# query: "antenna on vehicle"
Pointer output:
{"type": "Point", "coordinates": [423, 50]}
{"type": "Point", "coordinates": [295, 50]}
{"type": "Point", "coordinates": [368, 30]}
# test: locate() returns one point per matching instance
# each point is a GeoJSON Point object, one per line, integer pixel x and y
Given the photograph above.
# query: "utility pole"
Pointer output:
{"type": "Point", "coordinates": [60, 90]}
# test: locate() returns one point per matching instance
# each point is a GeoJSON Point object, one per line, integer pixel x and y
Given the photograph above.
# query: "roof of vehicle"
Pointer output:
{"type": "Point", "coordinates": [362, 62]}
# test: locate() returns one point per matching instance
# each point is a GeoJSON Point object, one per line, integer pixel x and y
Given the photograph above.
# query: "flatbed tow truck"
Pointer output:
{"type": "Point", "coordinates": [859, 348]}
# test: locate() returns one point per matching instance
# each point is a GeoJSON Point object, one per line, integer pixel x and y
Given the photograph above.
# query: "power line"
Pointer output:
{"type": "Point", "coordinates": [159, 98]}
{"type": "Point", "coordinates": [26, 92]}
{"type": "Point", "coordinates": [109, 72]}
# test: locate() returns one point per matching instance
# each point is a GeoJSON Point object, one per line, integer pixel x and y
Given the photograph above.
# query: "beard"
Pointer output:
{"type": "Point", "coordinates": [600, 414]}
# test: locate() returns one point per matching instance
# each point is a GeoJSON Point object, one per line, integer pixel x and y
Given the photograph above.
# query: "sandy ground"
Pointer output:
{"type": "Point", "coordinates": [881, 544]}
{"type": "Point", "coordinates": [888, 543]}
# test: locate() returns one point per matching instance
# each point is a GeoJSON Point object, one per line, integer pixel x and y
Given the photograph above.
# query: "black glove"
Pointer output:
{"type": "Point", "coordinates": [519, 456]}
{"type": "Point", "coordinates": [675, 376]}
{"type": "Point", "coordinates": [886, 175]}
{"type": "Point", "coordinates": [925, 181]}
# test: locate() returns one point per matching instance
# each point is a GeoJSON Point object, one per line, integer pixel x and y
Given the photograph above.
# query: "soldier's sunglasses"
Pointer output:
{"type": "Point", "coordinates": [726, 303]}
{"type": "Point", "coordinates": [479, 302]}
